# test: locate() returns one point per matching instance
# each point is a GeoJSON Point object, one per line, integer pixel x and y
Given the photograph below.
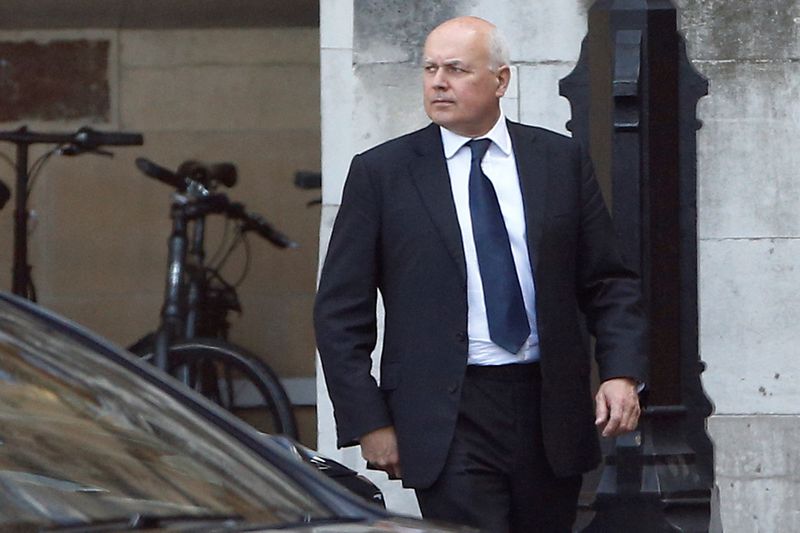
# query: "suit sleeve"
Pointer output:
{"type": "Point", "coordinates": [345, 309]}
{"type": "Point", "coordinates": [609, 293]}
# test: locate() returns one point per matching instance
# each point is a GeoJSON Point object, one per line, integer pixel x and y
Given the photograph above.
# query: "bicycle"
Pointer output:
{"type": "Point", "coordinates": [191, 340]}
{"type": "Point", "coordinates": [85, 140]}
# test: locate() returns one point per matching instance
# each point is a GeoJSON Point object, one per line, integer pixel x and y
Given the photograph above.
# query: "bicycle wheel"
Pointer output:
{"type": "Point", "coordinates": [236, 380]}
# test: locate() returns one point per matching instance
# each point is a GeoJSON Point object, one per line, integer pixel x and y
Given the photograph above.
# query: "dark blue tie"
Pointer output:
{"type": "Point", "coordinates": [505, 308]}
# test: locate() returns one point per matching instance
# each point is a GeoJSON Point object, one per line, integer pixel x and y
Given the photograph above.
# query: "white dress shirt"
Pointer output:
{"type": "Point", "coordinates": [500, 167]}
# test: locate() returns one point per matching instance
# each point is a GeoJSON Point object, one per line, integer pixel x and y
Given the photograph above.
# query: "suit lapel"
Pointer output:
{"type": "Point", "coordinates": [430, 176]}
{"type": "Point", "coordinates": [531, 161]}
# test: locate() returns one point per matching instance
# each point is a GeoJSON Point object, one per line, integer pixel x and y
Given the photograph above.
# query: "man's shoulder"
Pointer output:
{"type": "Point", "coordinates": [404, 145]}
{"type": "Point", "coordinates": [550, 137]}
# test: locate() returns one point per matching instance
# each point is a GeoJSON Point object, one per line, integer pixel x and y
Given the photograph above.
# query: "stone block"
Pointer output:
{"type": "Point", "coordinates": [537, 31]}
{"type": "Point", "coordinates": [745, 189]}
{"type": "Point", "coordinates": [388, 103]}
{"type": "Point", "coordinates": [221, 97]}
{"type": "Point", "coordinates": [39, 90]}
{"type": "Point", "coordinates": [96, 229]}
{"type": "Point", "coordinates": [336, 24]}
{"type": "Point", "coordinates": [733, 30]}
{"type": "Point", "coordinates": [748, 324]}
{"type": "Point", "coordinates": [61, 79]}
{"type": "Point", "coordinates": [277, 327]}
{"type": "Point", "coordinates": [337, 106]}
{"type": "Point", "coordinates": [218, 46]}
{"type": "Point", "coordinates": [394, 31]}
{"type": "Point", "coordinates": [757, 472]}
{"type": "Point", "coordinates": [540, 103]}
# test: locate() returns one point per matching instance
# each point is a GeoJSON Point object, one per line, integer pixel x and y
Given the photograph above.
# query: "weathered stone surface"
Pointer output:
{"type": "Point", "coordinates": [388, 103]}
{"type": "Point", "coordinates": [748, 324]}
{"type": "Point", "coordinates": [394, 32]}
{"type": "Point", "coordinates": [336, 23]}
{"type": "Point", "coordinates": [157, 13]}
{"type": "Point", "coordinates": [540, 103]}
{"type": "Point", "coordinates": [336, 72]}
{"type": "Point", "coordinates": [737, 30]}
{"type": "Point", "coordinates": [758, 472]}
{"type": "Point", "coordinates": [217, 46]}
{"type": "Point", "coordinates": [537, 31]}
{"type": "Point", "coordinates": [55, 80]}
{"type": "Point", "coordinates": [748, 161]}
{"type": "Point", "coordinates": [221, 97]}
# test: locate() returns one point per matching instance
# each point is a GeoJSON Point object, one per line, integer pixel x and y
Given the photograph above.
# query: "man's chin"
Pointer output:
{"type": "Point", "coordinates": [440, 119]}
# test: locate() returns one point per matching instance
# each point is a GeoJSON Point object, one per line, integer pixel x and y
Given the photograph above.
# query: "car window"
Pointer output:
{"type": "Point", "coordinates": [82, 439]}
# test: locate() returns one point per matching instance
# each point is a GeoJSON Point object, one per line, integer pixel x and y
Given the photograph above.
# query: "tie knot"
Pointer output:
{"type": "Point", "coordinates": [479, 147]}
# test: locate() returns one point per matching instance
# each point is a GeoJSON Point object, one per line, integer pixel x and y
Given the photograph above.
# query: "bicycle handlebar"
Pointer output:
{"type": "Point", "coordinates": [193, 172]}
{"type": "Point", "coordinates": [224, 173]}
{"type": "Point", "coordinates": [308, 179]}
{"type": "Point", "coordinates": [85, 138]}
{"type": "Point", "coordinates": [220, 203]}
{"type": "Point", "coordinates": [190, 171]}
{"type": "Point", "coordinates": [257, 223]}
{"type": "Point", "coordinates": [152, 170]}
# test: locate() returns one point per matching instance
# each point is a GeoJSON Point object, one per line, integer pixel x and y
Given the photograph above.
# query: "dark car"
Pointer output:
{"type": "Point", "coordinates": [92, 439]}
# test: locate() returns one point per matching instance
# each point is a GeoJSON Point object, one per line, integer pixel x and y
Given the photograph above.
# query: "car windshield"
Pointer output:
{"type": "Point", "coordinates": [84, 440]}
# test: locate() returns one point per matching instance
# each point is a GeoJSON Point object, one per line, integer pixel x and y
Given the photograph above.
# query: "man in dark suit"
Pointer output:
{"type": "Point", "coordinates": [494, 254]}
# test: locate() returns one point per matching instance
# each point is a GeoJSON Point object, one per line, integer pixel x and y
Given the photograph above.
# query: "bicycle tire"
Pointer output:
{"type": "Point", "coordinates": [236, 380]}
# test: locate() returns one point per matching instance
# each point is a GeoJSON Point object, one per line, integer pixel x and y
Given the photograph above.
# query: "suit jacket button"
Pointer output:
{"type": "Point", "coordinates": [452, 388]}
{"type": "Point", "coordinates": [461, 336]}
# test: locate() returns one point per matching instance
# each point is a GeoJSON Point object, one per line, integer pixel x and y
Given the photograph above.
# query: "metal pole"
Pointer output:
{"type": "Point", "coordinates": [21, 269]}
{"type": "Point", "coordinates": [634, 96]}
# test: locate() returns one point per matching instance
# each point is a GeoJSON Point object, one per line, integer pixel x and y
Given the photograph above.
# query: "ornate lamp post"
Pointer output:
{"type": "Point", "coordinates": [633, 96]}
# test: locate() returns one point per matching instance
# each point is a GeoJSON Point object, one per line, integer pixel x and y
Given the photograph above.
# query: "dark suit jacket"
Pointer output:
{"type": "Point", "coordinates": [397, 232]}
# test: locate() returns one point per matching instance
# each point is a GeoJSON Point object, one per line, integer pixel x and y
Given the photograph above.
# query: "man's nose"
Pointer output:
{"type": "Point", "coordinates": [439, 79]}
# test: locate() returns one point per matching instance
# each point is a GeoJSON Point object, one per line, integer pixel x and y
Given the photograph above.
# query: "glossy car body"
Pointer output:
{"type": "Point", "coordinates": [92, 439]}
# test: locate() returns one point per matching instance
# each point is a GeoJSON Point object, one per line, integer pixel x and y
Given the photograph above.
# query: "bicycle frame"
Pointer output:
{"type": "Point", "coordinates": [172, 316]}
{"type": "Point", "coordinates": [197, 257]}
{"type": "Point", "coordinates": [84, 140]}
{"type": "Point", "coordinates": [181, 298]}
{"type": "Point", "coordinates": [224, 373]}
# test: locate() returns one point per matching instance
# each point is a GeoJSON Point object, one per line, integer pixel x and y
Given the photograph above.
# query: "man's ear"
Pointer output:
{"type": "Point", "coordinates": [503, 79]}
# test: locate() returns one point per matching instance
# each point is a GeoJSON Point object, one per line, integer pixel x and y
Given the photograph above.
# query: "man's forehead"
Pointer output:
{"type": "Point", "coordinates": [466, 47]}
{"type": "Point", "coordinates": [445, 61]}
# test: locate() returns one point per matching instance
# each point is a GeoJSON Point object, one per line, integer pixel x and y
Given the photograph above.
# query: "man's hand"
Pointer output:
{"type": "Point", "coordinates": [617, 406]}
{"type": "Point", "coordinates": [379, 448]}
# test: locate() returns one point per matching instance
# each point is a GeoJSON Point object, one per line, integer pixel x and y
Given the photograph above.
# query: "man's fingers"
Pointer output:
{"type": "Point", "coordinates": [379, 448]}
{"type": "Point", "coordinates": [617, 406]}
{"type": "Point", "coordinates": [632, 413]}
{"type": "Point", "coordinates": [601, 409]}
{"type": "Point", "coordinates": [614, 420]}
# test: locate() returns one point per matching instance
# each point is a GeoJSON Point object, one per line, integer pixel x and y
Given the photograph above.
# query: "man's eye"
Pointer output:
{"type": "Point", "coordinates": [452, 69]}
{"type": "Point", "coordinates": [430, 68]}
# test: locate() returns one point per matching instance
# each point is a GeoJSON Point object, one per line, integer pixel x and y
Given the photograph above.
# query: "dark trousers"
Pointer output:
{"type": "Point", "coordinates": [496, 476]}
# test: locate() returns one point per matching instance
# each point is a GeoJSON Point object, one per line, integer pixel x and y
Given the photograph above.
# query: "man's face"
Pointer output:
{"type": "Point", "coordinates": [461, 92]}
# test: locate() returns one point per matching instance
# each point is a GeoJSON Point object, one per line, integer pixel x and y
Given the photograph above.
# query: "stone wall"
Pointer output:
{"type": "Point", "coordinates": [748, 230]}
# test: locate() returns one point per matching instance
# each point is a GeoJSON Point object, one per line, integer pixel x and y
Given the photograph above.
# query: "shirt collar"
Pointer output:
{"type": "Point", "coordinates": [498, 135]}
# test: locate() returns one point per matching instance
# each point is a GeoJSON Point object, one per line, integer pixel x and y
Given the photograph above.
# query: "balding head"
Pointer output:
{"type": "Point", "coordinates": [494, 40]}
{"type": "Point", "coordinates": [466, 73]}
